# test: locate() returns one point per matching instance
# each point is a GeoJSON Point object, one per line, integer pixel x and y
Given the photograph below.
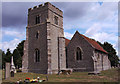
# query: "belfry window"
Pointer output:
{"type": "Point", "coordinates": [56, 20]}
{"type": "Point", "coordinates": [37, 20]}
{"type": "Point", "coordinates": [37, 55]}
{"type": "Point", "coordinates": [78, 54]}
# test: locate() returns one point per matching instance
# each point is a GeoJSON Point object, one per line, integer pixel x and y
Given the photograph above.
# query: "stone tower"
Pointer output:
{"type": "Point", "coordinates": [44, 48]}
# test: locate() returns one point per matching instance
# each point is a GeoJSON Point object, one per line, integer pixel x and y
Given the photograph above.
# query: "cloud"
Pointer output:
{"type": "Point", "coordinates": [96, 31]}
{"type": "Point", "coordinates": [68, 35]}
{"type": "Point", "coordinates": [11, 45]}
{"type": "Point", "coordinates": [76, 10]}
{"type": "Point", "coordinates": [118, 47]}
{"type": "Point", "coordinates": [14, 33]}
{"type": "Point", "coordinates": [115, 46]}
{"type": "Point", "coordinates": [93, 29]}
{"type": "Point", "coordinates": [14, 14]}
{"type": "Point", "coordinates": [90, 13]}
{"type": "Point", "coordinates": [103, 37]}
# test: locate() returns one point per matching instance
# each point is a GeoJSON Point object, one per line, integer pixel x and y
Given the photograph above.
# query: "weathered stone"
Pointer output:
{"type": "Point", "coordinates": [12, 66]}
{"type": "Point", "coordinates": [92, 59]}
{"type": "Point", "coordinates": [44, 32]}
{"type": "Point", "coordinates": [7, 70]}
{"type": "Point", "coordinates": [47, 41]}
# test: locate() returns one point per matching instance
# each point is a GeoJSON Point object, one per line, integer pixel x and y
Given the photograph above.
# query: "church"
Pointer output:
{"type": "Point", "coordinates": [47, 51]}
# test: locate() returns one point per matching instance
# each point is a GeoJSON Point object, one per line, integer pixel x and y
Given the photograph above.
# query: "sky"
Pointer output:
{"type": "Point", "coordinates": [97, 20]}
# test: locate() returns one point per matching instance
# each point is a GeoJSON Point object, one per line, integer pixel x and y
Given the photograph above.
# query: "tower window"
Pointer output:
{"type": "Point", "coordinates": [56, 20]}
{"type": "Point", "coordinates": [37, 35]}
{"type": "Point", "coordinates": [37, 20]}
{"type": "Point", "coordinates": [37, 55]}
{"type": "Point", "coordinates": [78, 54]}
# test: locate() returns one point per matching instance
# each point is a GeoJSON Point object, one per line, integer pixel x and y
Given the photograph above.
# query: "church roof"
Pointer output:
{"type": "Point", "coordinates": [66, 41]}
{"type": "Point", "coordinates": [92, 42]}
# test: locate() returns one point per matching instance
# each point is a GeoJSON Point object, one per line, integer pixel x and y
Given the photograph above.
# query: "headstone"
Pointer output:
{"type": "Point", "coordinates": [7, 70]}
{"type": "Point", "coordinates": [12, 73]}
{"type": "Point", "coordinates": [46, 78]}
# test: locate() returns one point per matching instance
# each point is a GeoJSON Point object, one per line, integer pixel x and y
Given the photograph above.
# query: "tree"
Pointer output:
{"type": "Point", "coordinates": [18, 53]}
{"type": "Point", "coordinates": [8, 56]}
{"type": "Point", "coordinates": [3, 58]}
{"type": "Point", "coordinates": [16, 56]}
{"type": "Point", "coordinates": [0, 58]}
{"type": "Point", "coordinates": [100, 43]}
{"type": "Point", "coordinates": [111, 54]}
{"type": "Point", "coordinates": [20, 47]}
{"type": "Point", "coordinates": [114, 59]}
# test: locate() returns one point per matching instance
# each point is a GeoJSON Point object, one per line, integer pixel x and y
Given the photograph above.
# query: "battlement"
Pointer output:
{"type": "Point", "coordinates": [47, 4]}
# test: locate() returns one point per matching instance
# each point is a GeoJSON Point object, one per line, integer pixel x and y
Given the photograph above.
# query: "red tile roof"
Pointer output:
{"type": "Point", "coordinates": [94, 44]}
{"type": "Point", "coordinates": [66, 41]}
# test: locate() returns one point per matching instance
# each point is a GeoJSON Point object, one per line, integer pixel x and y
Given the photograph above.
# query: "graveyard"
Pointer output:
{"type": "Point", "coordinates": [111, 75]}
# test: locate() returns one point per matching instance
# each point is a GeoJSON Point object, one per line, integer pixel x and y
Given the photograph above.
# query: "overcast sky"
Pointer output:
{"type": "Point", "coordinates": [95, 20]}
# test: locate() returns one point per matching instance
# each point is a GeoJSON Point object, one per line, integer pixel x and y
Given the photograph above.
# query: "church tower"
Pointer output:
{"type": "Point", "coordinates": [44, 48]}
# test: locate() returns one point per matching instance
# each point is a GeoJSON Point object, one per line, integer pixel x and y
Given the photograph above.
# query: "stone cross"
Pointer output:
{"type": "Point", "coordinates": [12, 65]}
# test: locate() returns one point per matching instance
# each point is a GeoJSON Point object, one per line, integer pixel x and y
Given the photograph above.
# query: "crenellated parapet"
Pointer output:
{"type": "Point", "coordinates": [44, 11]}
{"type": "Point", "coordinates": [44, 6]}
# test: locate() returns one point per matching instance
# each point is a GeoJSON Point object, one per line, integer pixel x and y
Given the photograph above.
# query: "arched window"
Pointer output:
{"type": "Point", "coordinates": [37, 20]}
{"type": "Point", "coordinates": [56, 20]}
{"type": "Point", "coordinates": [78, 54]}
{"type": "Point", "coordinates": [37, 55]}
{"type": "Point", "coordinates": [37, 35]}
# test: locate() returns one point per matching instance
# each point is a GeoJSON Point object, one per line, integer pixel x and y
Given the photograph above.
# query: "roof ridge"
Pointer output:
{"type": "Point", "coordinates": [93, 43]}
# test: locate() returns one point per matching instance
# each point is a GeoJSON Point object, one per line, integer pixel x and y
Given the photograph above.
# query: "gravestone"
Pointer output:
{"type": "Point", "coordinates": [12, 73]}
{"type": "Point", "coordinates": [46, 78]}
{"type": "Point", "coordinates": [7, 70]}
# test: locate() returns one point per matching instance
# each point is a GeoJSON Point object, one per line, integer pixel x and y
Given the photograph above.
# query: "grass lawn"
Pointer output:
{"type": "Point", "coordinates": [105, 76]}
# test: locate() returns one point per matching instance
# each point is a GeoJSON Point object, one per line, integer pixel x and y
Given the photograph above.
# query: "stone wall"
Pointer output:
{"type": "Point", "coordinates": [25, 56]}
{"type": "Point", "coordinates": [102, 61]}
{"type": "Point", "coordinates": [47, 41]}
{"type": "Point", "coordinates": [99, 61]}
{"type": "Point", "coordinates": [53, 33]}
{"type": "Point", "coordinates": [106, 62]}
{"type": "Point", "coordinates": [62, 54]}
{"type": "Point", "coordinates": [39, 43]}
{"type": "Point", "coordinates": [86, 64]}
